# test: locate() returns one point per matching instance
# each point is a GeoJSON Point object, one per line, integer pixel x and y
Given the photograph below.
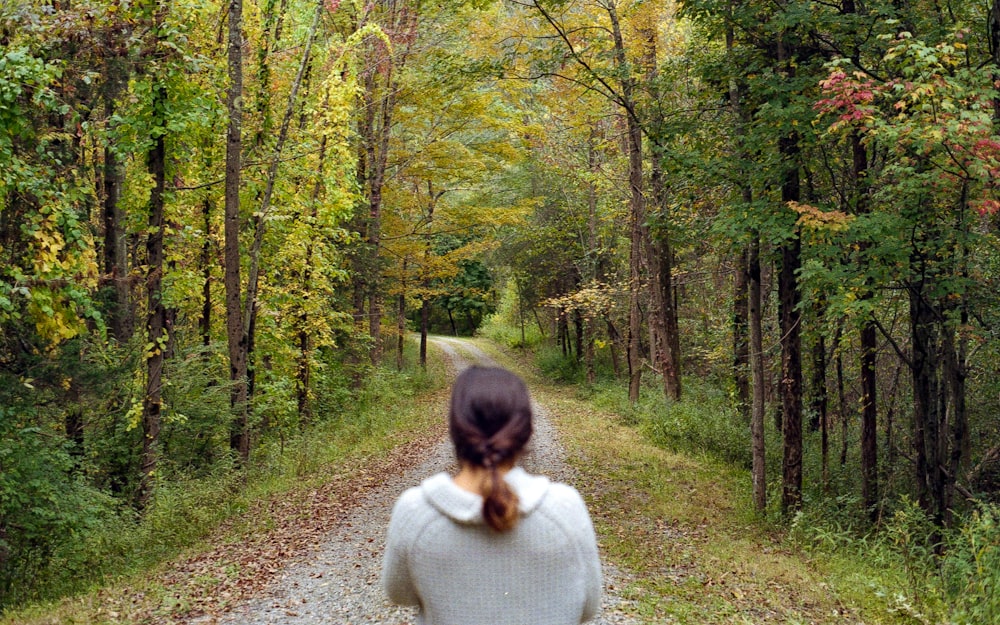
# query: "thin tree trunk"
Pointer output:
{"type": "Point", "coordinates": [819, 399]}
{"type": "Point", "coordinates": [239, 434]}
{"type": "Point", "coordinates": [156, 321]}
{"type": "Point", "coordinates": [742, 373]}
{"type": "Point", "coordinates": [400, 327]}
{"type": "Point", "coordinates": [757, 375]}
{"type": "Point", "coordinates": [841, 396]}
{"type": "Point", "coordinates": [741, 332]}
{"type": "Point", "coordinates": [205, 321]}
{"type": "Point", "coordinates": [954, 376]}
{"type": "Point", "coordinates": [425, 317]}
{"type": "Point", "coordinates": [665, 344]}
{"type": "Point", "coordinates": [115, 246]}
{"type": "Point", "coordinates": [637, 213]}
{"type": "Point", "coordinates": [251, 305]}
{"type": "Point", "coordinates": [924, 394]}
{"type": "Point", "coordinates": [304, 382]}
{"type": "Point", "coordinates": [790, 318]}
{"type": "Point", "coordinates": [869, 420]}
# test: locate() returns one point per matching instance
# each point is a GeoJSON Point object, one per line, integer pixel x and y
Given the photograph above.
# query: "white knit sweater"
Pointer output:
{"type": "Point", "coordinates": [441, 556]}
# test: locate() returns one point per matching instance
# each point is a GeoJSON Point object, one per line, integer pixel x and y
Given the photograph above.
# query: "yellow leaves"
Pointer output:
{"type": "Point", "coordinates": [593, 300]}
{"type": "Point", "coordinates": [55, 319]}
{"type": "Point", "coordinates": [814, 218]}
{"type": "Point", "coordinates": [59, 270]}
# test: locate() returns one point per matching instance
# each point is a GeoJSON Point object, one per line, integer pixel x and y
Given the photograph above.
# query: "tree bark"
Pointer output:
{"type": "Point", "coordinates": [747, 266]}
{"type": "Point", "coordinates": [425, 317]}
{"type": "Point", "coordinates": [156, 321]}
{"type": "Point", "coordinates": [791, 350]}
{"type": "Point", "coordinates": [924, 356]}
{"type": "Point", "coordinates": [205, 321]}
{"type": "Point", "coordinates": [759, 471]}
{"type": "Point", "coordinates": [637, 211]}
{"type": "Point", "coordinates": [239, 438]}
{"type": "Point", "coordinates": [819, 400]}
{"type": "Point", "coordinates": [663, 309]}
{"type": "Point", "coordinates": [115, 241]}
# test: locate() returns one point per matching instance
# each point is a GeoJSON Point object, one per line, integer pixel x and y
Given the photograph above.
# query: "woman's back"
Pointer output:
{"type": "Point", "coordinates": [441, 555]}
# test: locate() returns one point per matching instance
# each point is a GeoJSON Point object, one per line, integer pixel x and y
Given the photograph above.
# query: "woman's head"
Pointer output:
{"type": "Point", "coordinates": [490, 423]}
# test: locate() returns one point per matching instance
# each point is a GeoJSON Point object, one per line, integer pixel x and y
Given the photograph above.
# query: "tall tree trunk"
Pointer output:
{"type": "Point", "coordinates": [122, 315]}
{"type": "Point", "coordinates": [665, 344]}
{"type": "Point", "coordinates": [869, 349]}
{"type": "Point", "coordinates": [924, 349]}
{"type": "Point", "coordinates": [819, 400]}
{"type": "Point", "coordinates": [304, 381]}
{"type": "Point", "coordinates": [425, 319]}
{"type": "Point", "coordinates": [954, 376]}
{"type": "Point", "coordinates": [205, 321]}
{"type": "Point", "coordinates": [156, 320]}
{"type": "Point", "coordinates": [400, 326]}
{"type": "Point", "coordinates": [239, 438]}
{"type": "Point", "coordinates": [841, 395]}
{"type": "Point", "coordinates": [637, 210]}
{"type": "Point", "coordinates": [251, 306]}
{"type": "Point", "coordinates": [380, 107]}
{"type": "Point", "coordinates": [744, 271]}
{"type": "Point", "coordinates": [869, 419]}
{"type": "Point", "coordinates": [790, 317]}
{"type": "Point", "coordinates": [741, 332]}
{"type": "Point", "coordinates": [757, 375]}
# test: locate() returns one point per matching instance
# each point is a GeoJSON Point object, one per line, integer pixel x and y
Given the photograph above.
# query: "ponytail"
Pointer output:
{"type": "Point", "coordinates": [490, 423]}
{"type": "Point", "coordinates": [499, 502]}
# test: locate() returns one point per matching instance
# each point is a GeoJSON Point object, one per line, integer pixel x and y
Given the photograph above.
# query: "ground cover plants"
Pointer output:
{"type": "Point", "coordinates": [217, 540]}
{"type": "Point", "coordinates": [673, 504]}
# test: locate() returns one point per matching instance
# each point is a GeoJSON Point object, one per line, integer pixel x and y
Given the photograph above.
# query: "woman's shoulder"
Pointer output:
{"type": "Point", "coordinates": [563, 495]}
{"type": "Point", "coordinates": [539, 490]}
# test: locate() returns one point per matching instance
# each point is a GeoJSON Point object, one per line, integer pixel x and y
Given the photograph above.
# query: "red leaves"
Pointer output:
{"type": "Point", "coordinates": [986, 206]}
{"type": "Point", "coordinates": [849, 97]}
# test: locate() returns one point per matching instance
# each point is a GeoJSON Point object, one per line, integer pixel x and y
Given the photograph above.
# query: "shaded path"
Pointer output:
{"type": "Point", "coordinates": [339, 582]}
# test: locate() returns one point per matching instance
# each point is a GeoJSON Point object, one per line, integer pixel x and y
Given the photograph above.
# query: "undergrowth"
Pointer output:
{"type": "Point", "coordinates": [187, 510]}
{"type": "Point", "coordinates": [905, 567]}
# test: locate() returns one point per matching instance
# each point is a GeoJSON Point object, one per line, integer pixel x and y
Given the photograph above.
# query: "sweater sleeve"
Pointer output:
{"type": "Point", "coordinates": [397, 581]}
{"type": "Point", "coordinates": [592, 566]}
{"type": "Point", "coordinates": [593, 581]}
{"type": "Point", "coordinates": [571, 513]}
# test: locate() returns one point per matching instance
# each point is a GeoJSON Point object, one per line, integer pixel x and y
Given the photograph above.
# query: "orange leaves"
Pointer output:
{"type": "Point", "coordinates": [817, 219]}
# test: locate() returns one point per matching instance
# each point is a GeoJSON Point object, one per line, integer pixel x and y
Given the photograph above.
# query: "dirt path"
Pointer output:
{"type": "Point", "coordinates": [339, 582]}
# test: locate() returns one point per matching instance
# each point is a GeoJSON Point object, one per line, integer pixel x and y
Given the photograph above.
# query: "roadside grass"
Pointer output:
{"type": "Point", "coordinates": [681, 524]}
{"type": "Point", "coordinates": [211, 542]}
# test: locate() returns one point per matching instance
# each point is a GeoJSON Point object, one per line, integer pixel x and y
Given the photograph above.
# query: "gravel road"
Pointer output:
{"type": "Point", "coordinates": [339, 582]}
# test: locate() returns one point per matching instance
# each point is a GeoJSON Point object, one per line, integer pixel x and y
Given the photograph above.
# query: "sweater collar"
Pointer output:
{"type": "Point", "coordinates": [465, 507]}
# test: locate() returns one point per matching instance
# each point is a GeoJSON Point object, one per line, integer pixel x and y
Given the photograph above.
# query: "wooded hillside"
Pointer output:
{"type": "Point", "coordinates": [220, 219]}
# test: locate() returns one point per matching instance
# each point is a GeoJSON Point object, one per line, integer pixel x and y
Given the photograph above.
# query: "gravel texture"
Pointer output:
{"type": "Point", "coordinates": [339, 582]}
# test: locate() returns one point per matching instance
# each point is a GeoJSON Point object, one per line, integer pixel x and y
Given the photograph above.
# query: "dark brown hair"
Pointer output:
{"type": "Point", "coordinates": [490, 423]}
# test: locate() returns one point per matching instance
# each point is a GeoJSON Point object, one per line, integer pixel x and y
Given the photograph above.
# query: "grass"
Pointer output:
{"type": "Point", "coordinates": [682, 525]}
{"type": "Point", "coordinates": [216, 541]}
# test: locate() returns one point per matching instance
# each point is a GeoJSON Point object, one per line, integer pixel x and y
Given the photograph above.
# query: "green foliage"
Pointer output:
{"type": "Point", "coordinates": [46, 507]}
{"type": "Point", "coordinates": [61, 536]}
{"type": "Point", "coordinates": [970, 569]}
{"type": "Point", "coordinates": [512, 324]}
{"type": "Point", "coordinates": [557, 366]}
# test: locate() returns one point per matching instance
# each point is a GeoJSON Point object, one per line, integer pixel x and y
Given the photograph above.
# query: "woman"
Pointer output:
{"type": "Point", "coordinates": [492, 545]}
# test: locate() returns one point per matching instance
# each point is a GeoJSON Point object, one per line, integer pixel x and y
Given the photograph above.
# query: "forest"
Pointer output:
{"type": "Point", "coordinates": [221, 221]}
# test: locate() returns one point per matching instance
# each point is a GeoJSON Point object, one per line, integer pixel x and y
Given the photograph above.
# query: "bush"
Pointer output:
{"type": "Point", "coordinates": [45, 507]}
{"type": "Point", "coordinates": [970, 569]}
